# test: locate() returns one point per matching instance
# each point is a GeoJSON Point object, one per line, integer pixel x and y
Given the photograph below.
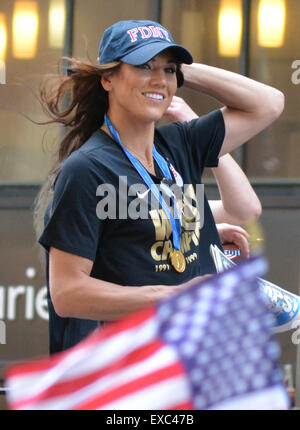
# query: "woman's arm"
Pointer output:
{"type": "Point", "coordinates": [76, 294]}
{"type": "Point", "coordinates": [249, 106]}
{"type": "Point", "coordinates": [239, 203]}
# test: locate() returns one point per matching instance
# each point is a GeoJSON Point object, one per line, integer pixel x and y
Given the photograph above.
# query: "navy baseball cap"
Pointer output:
{"type": "Point", "coordinates": [137, 42]}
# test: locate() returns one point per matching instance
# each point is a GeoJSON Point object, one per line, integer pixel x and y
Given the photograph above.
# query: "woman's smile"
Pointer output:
{"type": "Point", "coordinates": [156, 97]}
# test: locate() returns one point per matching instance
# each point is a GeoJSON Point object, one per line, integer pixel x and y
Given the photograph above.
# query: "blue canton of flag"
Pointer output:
{"type": "Point", "coordinates": [222, 333]}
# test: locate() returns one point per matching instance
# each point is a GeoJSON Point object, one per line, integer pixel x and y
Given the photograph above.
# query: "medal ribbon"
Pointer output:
{"type": "Point", "coordinates": [174, 220]}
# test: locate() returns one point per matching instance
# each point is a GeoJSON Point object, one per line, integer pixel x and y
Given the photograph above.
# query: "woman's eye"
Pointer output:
{"type": "Point", "coordinates": [170, 70]}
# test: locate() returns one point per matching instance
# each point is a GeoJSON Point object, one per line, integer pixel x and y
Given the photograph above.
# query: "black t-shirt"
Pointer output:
{"type": "Point", "coordinates": [101, 210]}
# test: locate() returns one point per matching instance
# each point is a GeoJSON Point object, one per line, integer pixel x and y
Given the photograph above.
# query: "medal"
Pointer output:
{"type": "Point", "coordinates": [178, 261]}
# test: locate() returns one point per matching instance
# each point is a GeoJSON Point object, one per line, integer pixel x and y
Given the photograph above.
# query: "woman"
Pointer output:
{"type": "Point", "coordinates": [113, 246]}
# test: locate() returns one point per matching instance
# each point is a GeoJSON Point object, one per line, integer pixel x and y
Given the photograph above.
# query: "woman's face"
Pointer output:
{"type": "Point", "coordinates": [142, 92]}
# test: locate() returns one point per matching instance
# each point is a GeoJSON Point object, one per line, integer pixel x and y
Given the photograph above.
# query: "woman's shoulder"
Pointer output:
{"type": "Point", "coordinates": [203, 129]}
{"type": "Point", "coordinates": [92, 150]}
{"type": "Point", "coordinates": [94, 147]}
{"type": "Point", "coordinates": [76, 161]}
{"type": "Point", "coordinates": [169, 135]}
{"type": "Point", "coordinates": [92, 162]}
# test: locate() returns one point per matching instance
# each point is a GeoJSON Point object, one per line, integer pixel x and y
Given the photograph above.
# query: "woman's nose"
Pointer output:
{"type": "Point", "coordinates": [158, 77]}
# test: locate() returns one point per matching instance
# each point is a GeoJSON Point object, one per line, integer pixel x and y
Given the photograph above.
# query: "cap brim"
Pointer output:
{"type": "Point", "coordinates": [147, 51]}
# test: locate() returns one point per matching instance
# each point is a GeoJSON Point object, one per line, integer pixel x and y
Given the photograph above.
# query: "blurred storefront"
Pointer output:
{"type": "Point", "coordinates": [258, 38]}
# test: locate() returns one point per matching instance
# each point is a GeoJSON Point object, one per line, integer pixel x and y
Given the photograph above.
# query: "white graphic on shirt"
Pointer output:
{"type": "Point", "coordinates": [142, 195]}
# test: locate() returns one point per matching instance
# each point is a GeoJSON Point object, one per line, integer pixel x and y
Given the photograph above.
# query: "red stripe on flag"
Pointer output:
{"type": "Point", "coordinates": [106, 332]}
{"type": "Point", "coordinates": [116, 327]}
{"type": "Point", "coordinates": [34, 366]}
{"type": "Point", "coordinates": [68, 387]}
{"type": "Point", "coordinates": [181, 407]}
{"type": "Point", "coordinates": [138, 384]}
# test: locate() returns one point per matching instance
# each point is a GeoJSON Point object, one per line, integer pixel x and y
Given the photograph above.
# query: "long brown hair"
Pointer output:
{"type": "Point", "coordinates": [79, 102]}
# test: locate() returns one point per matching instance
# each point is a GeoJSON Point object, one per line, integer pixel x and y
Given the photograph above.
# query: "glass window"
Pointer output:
{"type": "Point", "coordinates": [93, 17]}
{"type": "Point", "coordinates": [29, 51]}
{"type": "Point", "coordinates": [26, 150]}
{"type": "Point", "coordinates": [274, 46]}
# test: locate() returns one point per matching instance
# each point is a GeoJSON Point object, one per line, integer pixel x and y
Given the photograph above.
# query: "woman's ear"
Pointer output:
{"type": "Point", "coordinates": [106, 81]}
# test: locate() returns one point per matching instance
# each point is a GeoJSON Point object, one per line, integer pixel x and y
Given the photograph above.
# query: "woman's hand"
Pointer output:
{"type": "Point", "coordinates": [179, 110]}
{"type": "Point", "coordinates": [235, 235]}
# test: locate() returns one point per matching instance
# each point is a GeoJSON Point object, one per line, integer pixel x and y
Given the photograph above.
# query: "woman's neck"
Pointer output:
{"type": "Point", "coordinates": [137, 138]}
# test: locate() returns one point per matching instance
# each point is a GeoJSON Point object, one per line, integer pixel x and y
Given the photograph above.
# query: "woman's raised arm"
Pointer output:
{"type": "Point", "coordinates": [249, 106]}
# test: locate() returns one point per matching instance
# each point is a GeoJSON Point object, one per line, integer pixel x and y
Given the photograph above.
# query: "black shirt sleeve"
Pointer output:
{"type": "Point", "coordinates": [73, 225]}
{"type": "Point", "coordinates": [206, 135]}
{"type": "Point", "coordinates": [201, 139]}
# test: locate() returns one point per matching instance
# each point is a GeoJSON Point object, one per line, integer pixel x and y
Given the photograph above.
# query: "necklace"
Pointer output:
{"type": "Point", "coordinates": [145, 161]}
{"type": "Point", "coordinates": [149, 164]}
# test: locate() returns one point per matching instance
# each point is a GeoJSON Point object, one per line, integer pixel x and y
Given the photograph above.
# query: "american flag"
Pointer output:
{"type": "Point", "coordinates": [232, 253]}
{"type": "Point", "coordinates": [208, 347]}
